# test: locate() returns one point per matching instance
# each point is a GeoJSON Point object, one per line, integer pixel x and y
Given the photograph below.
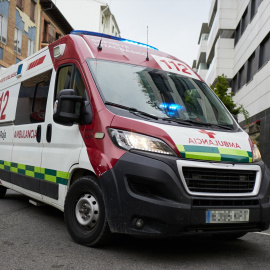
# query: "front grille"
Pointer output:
{"type": "Point", "coordinates": [204, 180]}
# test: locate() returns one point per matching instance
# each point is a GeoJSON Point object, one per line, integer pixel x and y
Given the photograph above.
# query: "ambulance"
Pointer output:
{"type": "Point", "coordinates": [126, 139]}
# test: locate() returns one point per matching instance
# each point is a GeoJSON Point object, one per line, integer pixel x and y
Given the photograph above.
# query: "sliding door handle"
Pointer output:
{"type": "Point", "coordinates": [49, 133]}
{"type": "Point", "coordinates": [38, 136]}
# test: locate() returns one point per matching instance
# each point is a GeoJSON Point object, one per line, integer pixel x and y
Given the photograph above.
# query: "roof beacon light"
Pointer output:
{"type": "Point", "coordinates": [89, 33]}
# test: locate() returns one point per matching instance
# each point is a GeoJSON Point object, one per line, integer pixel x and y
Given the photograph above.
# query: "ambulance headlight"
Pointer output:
{"type": "Point", "coordinates": [129, 140]}
{"type": "Point", "coordinates": [256, 153]}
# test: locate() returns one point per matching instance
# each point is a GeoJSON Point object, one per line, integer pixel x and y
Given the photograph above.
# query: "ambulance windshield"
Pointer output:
{"type": "Point", "coordinates": [159, 93]}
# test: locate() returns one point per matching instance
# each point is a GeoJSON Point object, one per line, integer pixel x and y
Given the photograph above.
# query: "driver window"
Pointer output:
{"type": "Point", "coordinates": [69, 77]}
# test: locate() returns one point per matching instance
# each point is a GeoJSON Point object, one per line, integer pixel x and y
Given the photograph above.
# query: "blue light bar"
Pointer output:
{"type": "Point", "coordinates": [171, 107]}
{"type": "Point", "coordinates": [82, 32]}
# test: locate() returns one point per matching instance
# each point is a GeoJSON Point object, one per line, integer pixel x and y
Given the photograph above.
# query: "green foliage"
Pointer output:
{"type": "Point", "coordinates": [221, 89]}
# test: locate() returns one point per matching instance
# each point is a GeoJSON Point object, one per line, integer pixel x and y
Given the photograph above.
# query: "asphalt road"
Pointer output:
{"type": "Point", "coordinates": [36, 238]}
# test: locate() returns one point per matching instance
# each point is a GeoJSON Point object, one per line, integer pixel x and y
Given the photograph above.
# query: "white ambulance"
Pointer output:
{"type": "Point", "coordinates": [126, 139]}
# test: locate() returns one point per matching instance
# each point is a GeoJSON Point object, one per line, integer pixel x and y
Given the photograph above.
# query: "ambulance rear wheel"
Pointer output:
{"type": "Point", "coordinates": [3, 191]}
{"type": "Point", "coordinates": [85, 214]}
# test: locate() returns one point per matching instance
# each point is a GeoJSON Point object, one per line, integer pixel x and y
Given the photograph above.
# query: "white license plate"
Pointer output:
{"type": "Point", "coordinates": [227, 216]}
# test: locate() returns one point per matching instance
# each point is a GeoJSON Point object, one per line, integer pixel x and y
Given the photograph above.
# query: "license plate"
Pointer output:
{"type": "Point", "coordinates": [227, 216]}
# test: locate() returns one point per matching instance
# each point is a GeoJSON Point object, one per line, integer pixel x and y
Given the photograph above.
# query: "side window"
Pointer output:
{"type": "Point", "coordinates": [69, 77]}
{"type": "Point", "coordinates": [31, 106]}
{"type": "Point", "coordinates": [64, 78]}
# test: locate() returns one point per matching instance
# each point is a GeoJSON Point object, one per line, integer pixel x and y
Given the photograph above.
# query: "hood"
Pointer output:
{"type": "Point", "coordinates": [205, 144]}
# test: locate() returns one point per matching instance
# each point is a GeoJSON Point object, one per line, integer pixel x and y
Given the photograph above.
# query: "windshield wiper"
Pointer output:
{"type": "Point", "coordinates": [190, 122]}
{"type": "Point", "coordinates": [178, 121]}
{"type": "Point", "coordinates": [131, 110]}
{"type": "Point", "coordinates": [222, 126]}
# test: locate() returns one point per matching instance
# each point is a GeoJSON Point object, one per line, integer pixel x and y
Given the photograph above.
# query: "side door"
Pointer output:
{"type": "Point", "coordinates": [62, 144]}
{"type": "Point", "coordinates": [26, 174]}
{"type": "Point", "coordinates": [8, 101]}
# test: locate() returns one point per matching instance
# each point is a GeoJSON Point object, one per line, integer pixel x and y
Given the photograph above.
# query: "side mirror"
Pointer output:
{"type": "Point", "coordinates": [67, 107]}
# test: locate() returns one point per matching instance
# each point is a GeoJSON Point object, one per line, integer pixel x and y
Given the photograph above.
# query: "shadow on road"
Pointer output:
{"type": "Point", "coordinates": [196, 248]}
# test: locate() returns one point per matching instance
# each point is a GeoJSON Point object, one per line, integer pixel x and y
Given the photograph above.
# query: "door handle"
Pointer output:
{"type": "Point", "coordinates": [49, 133]}
{"type": "Point", "coordinates": [38, 136]}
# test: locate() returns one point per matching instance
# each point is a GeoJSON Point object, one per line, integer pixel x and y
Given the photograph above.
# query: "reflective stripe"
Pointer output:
{"type": "Point", "coordinates": [203, 156]}
{"type": "Point", "coordinates": [55, 176]}
{"type": "Point", "coordinates": [214, 153]}
{"type": "Point", "coordinates": [234, 152]}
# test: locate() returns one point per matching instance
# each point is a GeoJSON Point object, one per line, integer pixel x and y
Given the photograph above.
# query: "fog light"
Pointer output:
{"type": "Point", "coordinates": [139, 223]}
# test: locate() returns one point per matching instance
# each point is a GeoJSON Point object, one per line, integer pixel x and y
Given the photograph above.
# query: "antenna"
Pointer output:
{"type": "Point", "coordinates": [147, 58]}
{"type": "Point", "coordinates": [99, 45]}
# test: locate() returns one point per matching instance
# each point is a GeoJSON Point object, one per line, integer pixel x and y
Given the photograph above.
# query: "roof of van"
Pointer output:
{"type": "Point", "coordinates": [106, 47]}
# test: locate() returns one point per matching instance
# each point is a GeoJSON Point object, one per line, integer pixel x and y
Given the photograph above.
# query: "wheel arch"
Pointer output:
{"type": "Point", "coordinates": [78, 173]}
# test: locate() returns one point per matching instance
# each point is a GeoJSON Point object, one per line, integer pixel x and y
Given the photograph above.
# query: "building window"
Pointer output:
{"type": "Point", "coordinates": [32, 11]}
{"type": "Point", "coordinates": [244, 22]}
{"type": "Point", "coordinates": [213, 15]}
{"type": "Point", "coordinates": [112, 29]}
{"type": "Point", "coordinates": [57, 36]}
{"type": "Point", "coordinates": [31, 47]}
{"type": "Point", "coordinates": [251, 67]}
{"type": "Point", "coordinates": [253, 10]}
{"type": "Point", "coordinates": [237, 34]}
{"type": "Point", "coordinates": [46, 26]}
{"type": "Point", "coordinates": [234, 84]}
{"type": "Point", "coordinates": [19, 4]}
{"type": "Point", "coordinates": [18, 41]}
{"type": "Point", "coordinates": [51, 34]}
{"type": "Point", "coordinates": [242, 77]}
{"type": "Point", "coordinates": [264, 51]}
{"type": "Point", "coordinates": [3, 29]}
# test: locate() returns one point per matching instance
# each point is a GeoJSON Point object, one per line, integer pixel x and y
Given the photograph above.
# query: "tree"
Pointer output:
{"type": "Point", "coordinates": [221, 90]}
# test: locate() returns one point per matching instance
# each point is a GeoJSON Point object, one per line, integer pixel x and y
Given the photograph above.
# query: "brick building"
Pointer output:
{"type": "Point", "coordinates": [27, 26]}
{"type": "Point", "coordinates": [53, 24]}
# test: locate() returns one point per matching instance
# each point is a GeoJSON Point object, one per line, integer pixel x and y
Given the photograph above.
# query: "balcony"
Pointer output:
{"type": "Point", "coordinates": [223, 60]}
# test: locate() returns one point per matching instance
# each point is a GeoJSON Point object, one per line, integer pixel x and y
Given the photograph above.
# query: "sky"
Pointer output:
{"type": "Point", "coordinates": [173, 25]}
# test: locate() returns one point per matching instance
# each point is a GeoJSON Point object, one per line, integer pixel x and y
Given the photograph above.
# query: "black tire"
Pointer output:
{"type": "Point", "coordinates": [229, 236]}
{"type": "Point", "coordinates": [3, 191]}
{"type": "Point", "coordinates": [85, 214]}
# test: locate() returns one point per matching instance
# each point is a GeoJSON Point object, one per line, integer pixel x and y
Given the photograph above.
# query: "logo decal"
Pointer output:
{"type": "Point", "coordinates": [3, 134]}
{"type": "Point", "coordinates": [36, 62]}
{"type": "Point", "coordinates": [210, 134]}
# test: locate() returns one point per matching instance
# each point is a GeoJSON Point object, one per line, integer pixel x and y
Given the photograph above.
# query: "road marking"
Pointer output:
{"type": "Point", "coordinates": [263, 233]}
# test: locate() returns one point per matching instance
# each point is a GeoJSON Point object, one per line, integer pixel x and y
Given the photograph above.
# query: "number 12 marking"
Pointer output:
{"type": "Point", "coordinates": [3, 101]}
{"type": "Point", "coordinates": [177, 66]}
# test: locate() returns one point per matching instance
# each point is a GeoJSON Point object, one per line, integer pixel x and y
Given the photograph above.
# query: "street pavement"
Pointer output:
{"type": "Point", "coordinates": [36, 238]}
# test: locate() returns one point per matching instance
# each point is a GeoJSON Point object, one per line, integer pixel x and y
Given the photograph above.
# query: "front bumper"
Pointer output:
{"type": "Point", "coordinates": [149, 187]}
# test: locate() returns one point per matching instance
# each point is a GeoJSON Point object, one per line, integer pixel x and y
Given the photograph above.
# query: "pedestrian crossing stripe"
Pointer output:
{"type": "Point", "coordinates": [214, 153]}
{"type": "Point", "coordinates": [50, 175]}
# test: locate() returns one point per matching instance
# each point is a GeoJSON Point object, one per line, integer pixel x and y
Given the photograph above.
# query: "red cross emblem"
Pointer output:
{"type": "Point", "coordinates": [210, 134]}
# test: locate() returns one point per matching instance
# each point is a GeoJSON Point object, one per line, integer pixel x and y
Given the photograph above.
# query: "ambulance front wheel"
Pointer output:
{"type": "Point", "coordinates": [3, 191]}
{"type": "Point", "coordinates": [85, 214]}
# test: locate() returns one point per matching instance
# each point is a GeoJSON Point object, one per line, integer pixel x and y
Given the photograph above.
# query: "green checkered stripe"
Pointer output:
{"type": "Point", "coordinates": [214, 153]}
{"type": "Point", "coordinates": [54, 176]}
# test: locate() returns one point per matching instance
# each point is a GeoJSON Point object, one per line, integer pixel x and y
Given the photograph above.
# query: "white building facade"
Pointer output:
{"type": "Point", "coordinates": [236, 42]}
{"type": "Point", "coordinates": [92, 15]}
